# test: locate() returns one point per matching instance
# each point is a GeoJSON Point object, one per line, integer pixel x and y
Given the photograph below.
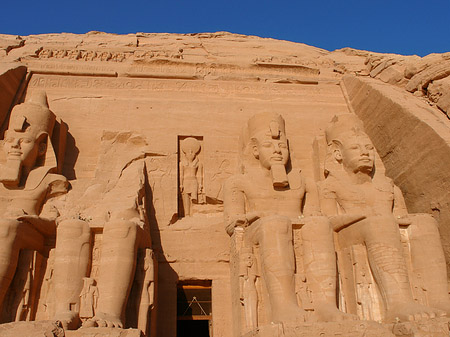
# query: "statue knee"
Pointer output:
{"type": "Point", "coordinates": [423, 225]}
{"type": "Point", "coordinates": [275, 224]}
{"type": "Point", "coordinates": [73, 228]}
{"type": "Point", "coordinates": [121, 229]}
{"type": "Point", "coordinates": [8, 228]}
{"type": "Point", "coordinates": [319, 225]}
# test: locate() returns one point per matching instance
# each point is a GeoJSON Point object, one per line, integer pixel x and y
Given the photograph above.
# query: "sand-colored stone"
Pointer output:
{"type": "Point", "coordinates": [129, 101]}
{"type": "Point", "coordinates": [32, 329]}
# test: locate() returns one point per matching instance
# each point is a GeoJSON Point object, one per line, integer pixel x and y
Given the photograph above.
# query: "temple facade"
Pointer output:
{"type": "Point", "coordinates": [221, 185]}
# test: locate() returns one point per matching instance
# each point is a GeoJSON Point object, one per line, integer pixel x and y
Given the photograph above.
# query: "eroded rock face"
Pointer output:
{"type": "Point", "coordinates": [147, 128]}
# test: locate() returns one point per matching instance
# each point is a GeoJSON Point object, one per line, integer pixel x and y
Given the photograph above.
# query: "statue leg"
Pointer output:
{"type": "Point", "coordinates": [319, 259]}
{"type": "Point", "coordinates": [387, 262]}
{"type": "Point", "coordinates": [274, 236]}
{"type": "Point", "coordinates": [71, 265]}
{"type": "Point", "coordinates": [117, 267]}
{"type": "Point", "coordinates": [186, 204]}
{"type": "Point", "coordinates": [14, 236]}
{"type": "Point", "coordinates": [428, 259]}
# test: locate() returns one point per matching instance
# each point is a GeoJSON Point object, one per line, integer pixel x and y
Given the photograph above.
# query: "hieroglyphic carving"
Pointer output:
{"type": "Point", "coordinates": [105, 56]}
{"type": "Point", "coordinates": [222, 88]}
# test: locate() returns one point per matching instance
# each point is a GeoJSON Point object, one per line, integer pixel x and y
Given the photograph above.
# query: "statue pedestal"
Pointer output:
{"type": "Point", "coordinates": [322, 329]}
{"type": "Point", "coordinates": [438, 327]}
{"type": "Point", "coordinates": [104, 332]}
{"type": "Point", "coordinates": [32, 329]}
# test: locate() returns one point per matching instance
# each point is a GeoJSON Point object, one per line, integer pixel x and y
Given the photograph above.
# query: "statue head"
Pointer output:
{"type": "Point", "coordinates": [25, 142]}
{"type": "Point", "coordinates": [190, 147]}
{"type": "Point", "coordinates": [349, 146]}
{"type": "Point", "coordinates": [265, 140]}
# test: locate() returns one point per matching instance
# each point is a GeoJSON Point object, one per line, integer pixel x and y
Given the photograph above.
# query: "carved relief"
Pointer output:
{"type": "Point", "coordinates": [191, 175]}
{"type": "Point", "coordinates": [107, 56]}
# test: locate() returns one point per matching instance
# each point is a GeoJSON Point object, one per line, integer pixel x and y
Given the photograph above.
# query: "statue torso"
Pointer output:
{"type": "Point", "coordinates": [375, 197]}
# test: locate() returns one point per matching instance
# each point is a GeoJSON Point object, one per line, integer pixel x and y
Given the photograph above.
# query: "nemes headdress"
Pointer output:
{"type": "Point", "coordinates": [35, 117]}
{"type": "Point", "coordinates": [342, 125]}
{"type": "Point", "coordinates": [266, 124]}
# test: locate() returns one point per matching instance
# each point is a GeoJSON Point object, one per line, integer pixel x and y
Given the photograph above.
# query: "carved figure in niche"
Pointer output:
{"type": "Point", "coordinates": [115, 203]}
{"type": "Point", "coordinates": [88, 299]}
{"type": "Point", "coordinates": [265, 198]}
{"type": "Point", "coordinates": [191, 174]}
{"type": "Point", "coordinates": [27, 181]}
{"type": "Point", "coordinates": [352, 186]}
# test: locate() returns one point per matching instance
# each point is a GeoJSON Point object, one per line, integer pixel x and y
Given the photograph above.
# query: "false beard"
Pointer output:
{"type": "Point", "coordinates": [10, 172]}
{"type": "Point", "coordinates": [279, 176]}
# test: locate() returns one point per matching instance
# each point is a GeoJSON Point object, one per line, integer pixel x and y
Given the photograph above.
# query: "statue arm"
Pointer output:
{"type": "Point", "coordinates": [201, 176]}
{"type": "Point", "coordinates": [45, 222]}
{"type": "Point", "coordinates": [327, 200]}
{"type": "Point", "coordinates": [312, 204]}
{"type": "Point", "coordinates": [329, 207]}
{"type": "Point", "coordinates": [399, 210]}
{"type": "Point", "coordinates": [234, 206]}
{"type": "Point", "coordinates": [181, 177]}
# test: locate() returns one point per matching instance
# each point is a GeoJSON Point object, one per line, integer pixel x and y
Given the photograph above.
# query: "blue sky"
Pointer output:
{"type": "Point", "coordinates": [389, 26]}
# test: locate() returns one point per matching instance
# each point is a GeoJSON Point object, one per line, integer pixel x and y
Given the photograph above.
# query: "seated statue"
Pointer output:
{"type": "Point", "coordinates": [354, 187]}
{"type": "Point", "coordinates": [28, 181]}
{"type": "Point", "coordinates": [114, 205]}
{"type": "Point", "coordinates": [265, 199]}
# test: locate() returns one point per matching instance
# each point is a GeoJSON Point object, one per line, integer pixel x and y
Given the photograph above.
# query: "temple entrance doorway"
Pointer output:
{"type": "Point", "coordinates": [194, 314]}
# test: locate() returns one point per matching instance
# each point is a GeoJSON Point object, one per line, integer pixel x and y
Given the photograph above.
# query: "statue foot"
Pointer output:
{"type": "Point", "coordinates": [289, 313]}
{"type": "Point", "coordinates": [68, 319]}
{"type": "Point", "coordinates": [443, 305]}
{"type": "Point", "coordinates": [103, 320]}
{"type": "Point", "coordinates": [412, 312]}
{"type": "Point", "coordinates": [325, 312]}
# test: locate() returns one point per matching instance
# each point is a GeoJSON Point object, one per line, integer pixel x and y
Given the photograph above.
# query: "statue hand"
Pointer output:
{"type": "Point", "coordinates": [341, 221]}
{"type": "Point", "coordinates": [46, 226]}
{"type": "Point", "coordinates": [404, 220]}
{"type": "Point", "coordinates": [15, 214]}
{"type": "Point", "coordinates": [236, 221]}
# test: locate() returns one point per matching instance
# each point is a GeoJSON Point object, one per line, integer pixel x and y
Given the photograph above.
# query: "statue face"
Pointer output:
{"type": "Point", "coordinates": [271, 151]}
{"type": "Point", "coordinates": [22, 146]}
{"type": "Point", "coordinates": [357, 153]}
{"type": "Point", "coordinates": [190, 154]}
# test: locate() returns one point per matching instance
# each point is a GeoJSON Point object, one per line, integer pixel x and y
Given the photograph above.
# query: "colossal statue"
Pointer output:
{"type": "Point", "coordinates": [114, 205]}
{"type": "Point", "coordinates": [28, 181]}
{"type": "Point", "coordinates": [265, 199]}
{"type": "Point", "coordinates": [354, 187]}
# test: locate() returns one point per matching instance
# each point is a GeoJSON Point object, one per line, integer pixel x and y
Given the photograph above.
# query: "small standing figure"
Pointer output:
{"type": "Point", "coordinates": [249, 295]}
{"type": "Point", "coordinates": [191, 174]}
{"type": "Point", "coordinates": [88, 299]}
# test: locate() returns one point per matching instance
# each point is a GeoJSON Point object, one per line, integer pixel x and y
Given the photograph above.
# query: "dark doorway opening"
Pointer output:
{"type": "Point", "coordinates": [193, 328]}
{"type": "Point", "coordinates": [194, 314]}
